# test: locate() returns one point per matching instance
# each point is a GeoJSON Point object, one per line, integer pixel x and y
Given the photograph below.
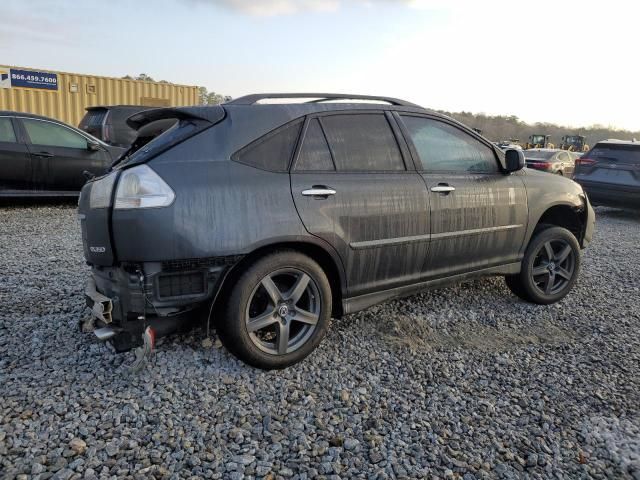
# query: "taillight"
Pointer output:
{"type": "Point", "coordinates": [107, 133]}
{"type": "Point", "coordinates": [539, 164]}
{"type": "Point", "coordinates": [585, 161]}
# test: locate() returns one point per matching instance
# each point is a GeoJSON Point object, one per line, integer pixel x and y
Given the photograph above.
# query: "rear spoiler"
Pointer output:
{"type": "Point", "coordinates": [209, 113]}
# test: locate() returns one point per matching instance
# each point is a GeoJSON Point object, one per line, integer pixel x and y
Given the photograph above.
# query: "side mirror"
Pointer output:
{"type": "Point", "coordinates": [513, 160]}
{"type": "Point", "coordinates": [93, 146]}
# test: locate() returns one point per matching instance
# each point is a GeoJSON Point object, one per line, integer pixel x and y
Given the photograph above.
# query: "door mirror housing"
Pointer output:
{"type": "Point", "coordinates": [93, 146]}
{"type": "Point", "coordinates": [513, 160]}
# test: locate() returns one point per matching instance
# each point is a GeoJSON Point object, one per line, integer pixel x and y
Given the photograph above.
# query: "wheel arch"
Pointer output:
{"type": "Point", "coordinates": [563, 215]}
{"type": "Point", "coordinates": [321, 254]}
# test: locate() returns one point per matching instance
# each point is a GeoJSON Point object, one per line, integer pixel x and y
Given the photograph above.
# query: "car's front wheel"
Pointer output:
{"type": "Point", "coordinates": [549, 268]}
{"type": "Point", "coordinates": [278, 311]}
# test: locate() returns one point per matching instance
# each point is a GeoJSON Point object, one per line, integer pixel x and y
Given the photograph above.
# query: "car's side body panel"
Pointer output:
{"type": "Point", "coordinates": [479, 225]}
{"type": "Point", "coordinates": [221, 209]}
{"type": "Point", "coordinates": [546, 191]}
{"type": "Point", "coordinates": [16, 168]}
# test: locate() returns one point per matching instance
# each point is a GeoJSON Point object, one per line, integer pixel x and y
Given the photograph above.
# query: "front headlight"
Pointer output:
{"type": "Point", "coordinates": [100, 196]}
{"type": "Point", "coordinates": [141, 187]}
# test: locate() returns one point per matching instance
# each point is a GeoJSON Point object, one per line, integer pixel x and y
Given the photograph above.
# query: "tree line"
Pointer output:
{"type": "Point", "coordinates": [506, 127]}
{"type": "Point", "coordinates": [205, 97]}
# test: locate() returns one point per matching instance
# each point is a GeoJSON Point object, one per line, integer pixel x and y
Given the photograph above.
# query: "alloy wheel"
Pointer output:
{"type": "Point", "coordinates": [553, 266]}
{"type": "Point", "coordinates": [283, 311]}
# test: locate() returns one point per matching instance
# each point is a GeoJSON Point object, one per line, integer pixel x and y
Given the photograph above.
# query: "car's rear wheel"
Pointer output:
{"type": "Point", "coordinates": [278, 311]}
{"type": "Point", "coordinates": [549, 268]}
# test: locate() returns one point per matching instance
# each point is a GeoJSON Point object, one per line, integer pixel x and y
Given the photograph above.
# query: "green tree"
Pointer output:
{"type": "Point", "coordinates": [211, 98]}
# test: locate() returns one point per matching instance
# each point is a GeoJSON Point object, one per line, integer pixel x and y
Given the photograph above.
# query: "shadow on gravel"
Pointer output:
{"type": "Point", "coordinates": [38, 202]}
{"type": "Point", "coordinates": [617, 214]}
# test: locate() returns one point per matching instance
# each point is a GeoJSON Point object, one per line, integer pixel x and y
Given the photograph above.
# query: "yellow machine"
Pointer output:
{"type": "Point", "coordinates": [574, 143]}
{"type": "Point", "coordinates": [539, 141]}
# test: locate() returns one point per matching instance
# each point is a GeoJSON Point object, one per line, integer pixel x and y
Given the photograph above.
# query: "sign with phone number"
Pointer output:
{"type": "Point", "coordinates": [31, 79]}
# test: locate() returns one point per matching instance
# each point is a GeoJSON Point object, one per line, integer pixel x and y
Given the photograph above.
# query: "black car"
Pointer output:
{"type": "Point", "coordinates": [109, 123]}
{"type": "Point", "coordinates": [275, 217]}
{"type": "Point", "coordinates": [559, 162]}
{"type": "Point", "coordinates": [610, 173]}
{"type": "Point", "coordinates": [43, 156]}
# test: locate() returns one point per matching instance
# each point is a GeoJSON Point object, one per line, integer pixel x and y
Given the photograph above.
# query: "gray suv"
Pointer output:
{"type": "Point", "coordinates": [610, 173]}
{"type": "Point", "coordinates": [270, 218]}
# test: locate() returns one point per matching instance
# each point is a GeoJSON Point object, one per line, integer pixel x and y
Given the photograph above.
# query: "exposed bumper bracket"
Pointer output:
{"type": "Point", "coordinates": [101, 306]}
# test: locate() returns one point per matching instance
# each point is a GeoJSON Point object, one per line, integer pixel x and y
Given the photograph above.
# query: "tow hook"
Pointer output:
{"type": "Point", "coordinates": [144, 352]}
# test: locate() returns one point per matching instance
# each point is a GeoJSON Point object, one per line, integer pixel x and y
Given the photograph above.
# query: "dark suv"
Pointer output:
{"type": "Point", "coordinates": [275, 217]}
{"type": "Point", "coordinates": [610, 173]}
{"type": "Point", "coordinates": [109, 123]}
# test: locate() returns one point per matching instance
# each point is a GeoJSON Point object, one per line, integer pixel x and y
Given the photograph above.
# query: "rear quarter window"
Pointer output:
{"type": "Point", "coordinates": [273, 151]}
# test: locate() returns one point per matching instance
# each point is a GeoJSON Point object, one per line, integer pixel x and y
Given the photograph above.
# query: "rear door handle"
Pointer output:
{"type": "Point", "coordinates": [443, 188]}
{"type": "Point", "coordinates": [319, 191]}
{"type": "Point", "coordinates": [44, 154]}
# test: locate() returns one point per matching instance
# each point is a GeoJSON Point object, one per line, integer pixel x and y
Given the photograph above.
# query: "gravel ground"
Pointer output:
{"type": "Point", "coordinates": [463, 382]}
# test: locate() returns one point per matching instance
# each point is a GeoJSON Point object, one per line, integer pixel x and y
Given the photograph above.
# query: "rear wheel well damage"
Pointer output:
{"type": "Point", "coordinates": [565, 216]}
{"type": "Point", "coordinates": [316, 253]}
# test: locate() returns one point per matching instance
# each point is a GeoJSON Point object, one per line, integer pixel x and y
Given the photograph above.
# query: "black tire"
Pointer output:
{"type": "Point", "coordinates": [252, 302]}
{"type": "Point", "coordinates": [546, 278]}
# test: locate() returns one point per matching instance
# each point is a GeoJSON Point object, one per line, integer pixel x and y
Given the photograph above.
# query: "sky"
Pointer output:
{"type": "Point", "coordinates": [575, 63]}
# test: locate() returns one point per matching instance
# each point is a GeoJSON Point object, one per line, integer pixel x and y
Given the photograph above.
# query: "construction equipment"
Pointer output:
{"type": "Point", "coordinates": [574, 143]}
{"type": "Point", "coordinates": [539, 141]}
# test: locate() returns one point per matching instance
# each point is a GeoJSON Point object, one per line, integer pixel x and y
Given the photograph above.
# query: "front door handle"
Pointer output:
{"type": "Point", "coordinates": [44, 154]}
{"type": "Point", "coordinates": [443, 188]}
{"type": "Point", "coordinates": [320, 191]}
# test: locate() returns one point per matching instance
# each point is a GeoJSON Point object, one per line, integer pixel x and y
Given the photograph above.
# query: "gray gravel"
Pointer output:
{"type": "Point", "coordinates": [463, 382]}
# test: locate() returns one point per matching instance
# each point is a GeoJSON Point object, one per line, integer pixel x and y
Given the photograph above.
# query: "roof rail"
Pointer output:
{"type": "Point", "coordinates": [317, 98]}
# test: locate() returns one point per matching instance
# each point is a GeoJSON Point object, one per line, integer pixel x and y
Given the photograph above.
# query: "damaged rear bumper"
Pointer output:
{"type": "Point", "coordinates": [125, 299]}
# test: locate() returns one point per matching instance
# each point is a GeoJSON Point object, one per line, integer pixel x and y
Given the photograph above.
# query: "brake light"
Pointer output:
{"type": "Point", "coordinates": [585, 161]}
{"type": "Point", "coordinates": [539, 164]}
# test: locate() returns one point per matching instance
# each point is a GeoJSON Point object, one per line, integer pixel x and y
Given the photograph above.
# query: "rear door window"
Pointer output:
{"type": "Point", "coordinates": [362, 142]}
{"type": "Point", "coordinates": [53, 135]}
{"type": "Point", "coordinates": [273, 151]}
{"type": "Point", "coordinates": [441, 147]}
{"type": "Point", "coordinates": [7, 134]}
{"type": "Point", "coordinates": [314, 154]}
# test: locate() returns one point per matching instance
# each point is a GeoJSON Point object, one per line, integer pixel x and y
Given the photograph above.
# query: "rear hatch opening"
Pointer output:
{"type": "Point", "coordinates": [162, 128]}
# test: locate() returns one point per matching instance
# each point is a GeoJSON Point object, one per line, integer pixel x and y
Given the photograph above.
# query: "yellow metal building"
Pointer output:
{"type": "Point", "coordinates": [65, 96]}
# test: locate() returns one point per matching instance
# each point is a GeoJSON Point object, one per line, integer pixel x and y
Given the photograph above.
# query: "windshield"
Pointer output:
{"type": "Point", "coordinates": [537, 155]}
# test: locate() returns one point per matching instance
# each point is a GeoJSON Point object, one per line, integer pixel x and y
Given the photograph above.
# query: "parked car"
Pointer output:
{"type": "Point", "coordinates": [275, 217]}
{"type": "Point", "coordinates": [551, 160]}
{"type": "Point", "coordinates": [42, 156]}
{"type": "Point", "coordinates": [610, 173]}
{"type": "Point", "coordinates": [109, 123]}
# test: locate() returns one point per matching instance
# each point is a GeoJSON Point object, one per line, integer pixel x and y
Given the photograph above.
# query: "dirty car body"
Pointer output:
{"type": "Point", "coordinates": [342, 205]}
